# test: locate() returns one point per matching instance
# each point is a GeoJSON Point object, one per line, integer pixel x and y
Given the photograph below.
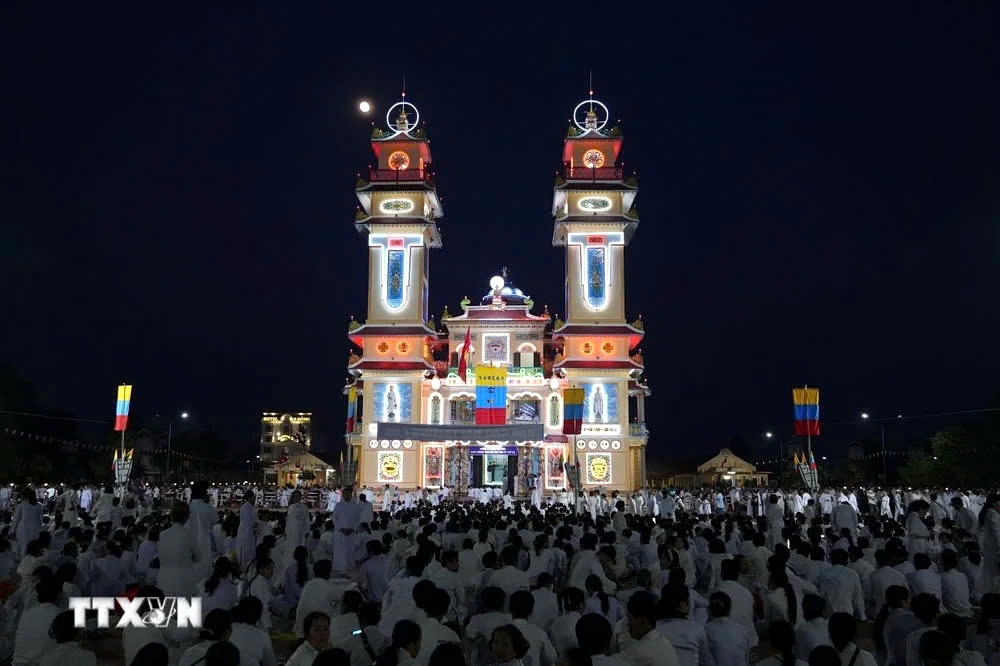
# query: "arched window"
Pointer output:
{"type": "Point", "coordinates": [527, 356]}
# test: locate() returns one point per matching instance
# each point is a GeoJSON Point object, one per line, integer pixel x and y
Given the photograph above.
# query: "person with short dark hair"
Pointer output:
{"type": "Point", "coordinates": [843, 631]}
{"type": "Point", "coordinates": [222, 653]}
{"type": "Point", "coordinates": [367, 641]}
{"type": "Point", "coordinates": [68, 651]}
{"type": "Point", "coordinates": [316, 627]}
{"type": "Point", "coordinates": [432, 629]}
{"type": "Point", "coordinates": [824, 655]}
{"type": "Point", "coordinates": [32, 638]}
{"type": "Point", "coordinates": [935, 649]}
{"type": "Point", "coordinates": [926, 608]}
{"type": "Point", "coordinates": [508, 645]}
{"type": "Point", "coordinates": [955, 595]}
{"type": "Point", "coordinates": [648, 646]}
{"type": "Point", "coordinates": [540, 650]}
{"type": "Point", "coordinates": [813, 630]}
{"type": "Point", "coordinates": [687, 637]}
{"type": "Point", "coordinates": [841, 585]}
{"type": "Point", "coordinates": [727, 640]}
{"type": "Point", "coordinates": [923, 579]}
{"type": "Point", "coordinates": [255, 645]}
{"type": "Point", "coordinates": [217, 626]}
{"type": "Point", "coordinates": [740, 598]}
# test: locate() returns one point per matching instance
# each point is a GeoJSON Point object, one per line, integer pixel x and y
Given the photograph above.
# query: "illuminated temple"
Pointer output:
{"type": "Point", "coordinates": [414, 417]}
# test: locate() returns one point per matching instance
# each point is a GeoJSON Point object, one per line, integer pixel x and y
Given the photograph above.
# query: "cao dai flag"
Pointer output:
{"type": "Point", "coordinates": [352, 408]}
{"type": "Point", "coordinates": [121, 407]}
{"type": "Point", "coordinates": [806, 404]}
{"type": "Point", "coordinates": [491, 396]}
{"type": "Point", "coordinates": [573, 411]}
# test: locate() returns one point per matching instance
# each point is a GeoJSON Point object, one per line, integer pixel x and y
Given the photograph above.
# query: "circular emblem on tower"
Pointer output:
{"type": "Point", "coordinates": [590, 115]}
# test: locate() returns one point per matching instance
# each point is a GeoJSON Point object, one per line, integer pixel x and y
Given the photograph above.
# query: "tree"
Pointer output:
{"type": "Point", "coordinates": [952, 460]}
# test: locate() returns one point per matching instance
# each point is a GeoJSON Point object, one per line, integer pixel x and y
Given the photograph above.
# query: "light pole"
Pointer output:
{"type": "Point", "coordinates": [881, 426]}
{"type": "Point", "coordinates": [170, 436]}
{"type": "Point", "coordinates": [781, 463]}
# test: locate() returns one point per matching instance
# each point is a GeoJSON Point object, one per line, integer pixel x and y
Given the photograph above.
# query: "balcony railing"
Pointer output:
{"type": "Point", "coordinates": [638, 429]}
{"type": "Point", "coordinates": [513, 371]}
{"type": "Point", "coordinates": [601, 173]}
{"type": "Point", "coordinates": [398, 175]}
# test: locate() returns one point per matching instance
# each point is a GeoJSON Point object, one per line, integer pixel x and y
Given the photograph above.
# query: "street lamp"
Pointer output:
{"type": "Point", "coordinates": [170, 436]}
{"type": "Point", "coordinates": [781, 462]}
{"type": "Point", "coordinates": [881, 428]}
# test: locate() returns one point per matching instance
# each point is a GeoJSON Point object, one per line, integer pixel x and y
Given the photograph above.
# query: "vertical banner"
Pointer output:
{"type": "Point", "coordinates": [491, 396]}
{"type": "Point", "coordinates": [121, 407]}
{"type": "Point", "coordinates": [806, 409]}
{"type": "Point", "coordinates": [572, 411]}
{"type": "Point", "coordinates": [352, 408]}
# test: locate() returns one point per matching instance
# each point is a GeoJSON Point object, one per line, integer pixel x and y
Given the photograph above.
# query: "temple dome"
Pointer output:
{"type": "Point", "coordinates": [510, 294]}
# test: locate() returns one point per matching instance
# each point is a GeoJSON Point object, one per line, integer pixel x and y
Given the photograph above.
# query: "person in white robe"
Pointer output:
{"type": "Point", "coordinates": [203, 518]}
{"type": "Point", "coordinates": [346, 517]}
{"type": "Point", "coordinates": [989, 526]}
{"type": "Point", "coordinates": [246, 534]}
{"type": "Point", "coordinates": [27, 521]}
{"type": "Point", "coordinates": [179, 553]}
{"type": "Point", "coordinates": [296, 529]}
{"type": "Point", "coordinates": [387, 497]}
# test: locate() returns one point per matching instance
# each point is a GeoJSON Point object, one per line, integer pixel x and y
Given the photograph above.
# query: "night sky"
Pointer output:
{"type": "Point", "coordinates": [818, 194]}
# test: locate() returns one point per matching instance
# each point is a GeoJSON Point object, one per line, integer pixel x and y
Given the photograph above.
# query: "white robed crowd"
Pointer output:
{"type": "Point", "coordinates": [710, 577]}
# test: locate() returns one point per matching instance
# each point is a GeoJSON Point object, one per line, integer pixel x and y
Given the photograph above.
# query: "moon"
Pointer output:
{"type": "Point", "coordinates": [364, 107]}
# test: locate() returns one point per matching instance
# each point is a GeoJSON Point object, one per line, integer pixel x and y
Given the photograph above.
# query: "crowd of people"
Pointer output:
{"type": "Point", "coordinates": [713, 577]}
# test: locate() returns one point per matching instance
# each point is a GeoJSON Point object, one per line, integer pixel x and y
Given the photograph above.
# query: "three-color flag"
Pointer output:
{"type": "Point", "coordinates": [491, 396]}
{"type": "Point", "coordinates": [121, 407]}
{"type": "Point", "coordinates": [806, 405]}
{"type": "Point", "coordinates": [572, 411]}
{"type": "Point", "coordinates": [352, 408]}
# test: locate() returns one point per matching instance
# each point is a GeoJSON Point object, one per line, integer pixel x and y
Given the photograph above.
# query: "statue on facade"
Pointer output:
{"type": "Point", "coordinates": [391, 403]}
{"type": "Point", "coordinates": [598, 405]}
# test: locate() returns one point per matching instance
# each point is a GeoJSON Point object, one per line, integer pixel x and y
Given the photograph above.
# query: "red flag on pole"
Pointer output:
{"type": "Point", "coordinates": [463, 360]}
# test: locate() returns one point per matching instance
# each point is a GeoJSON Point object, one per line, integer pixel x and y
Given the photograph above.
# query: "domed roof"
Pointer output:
{"type": "Point", "coordinates": [510, 294]}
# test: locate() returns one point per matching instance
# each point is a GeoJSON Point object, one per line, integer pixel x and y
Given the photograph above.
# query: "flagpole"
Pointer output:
{"type": "Point", "coordinates": [809, 439]}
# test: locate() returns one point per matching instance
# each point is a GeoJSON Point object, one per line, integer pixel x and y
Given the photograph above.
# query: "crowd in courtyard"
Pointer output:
{"type": "Point", "coordinates": [397, 577]}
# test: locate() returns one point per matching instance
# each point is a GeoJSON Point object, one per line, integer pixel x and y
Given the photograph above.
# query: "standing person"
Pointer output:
{"type": "Point", "coordinates": [989, 528]}
{"type": "Point", "coordinates": [178, 555]}
{"type": "Point", "coordinates": [296, 527]}
{"type": "Point", "coordinates": [27, 522]}
{"type": "Point", "coordinates": [246, 534]}
{"type": "Point", "coordinates": [346, 517]}
{"type": "Point", "coordinates": [203, 518]}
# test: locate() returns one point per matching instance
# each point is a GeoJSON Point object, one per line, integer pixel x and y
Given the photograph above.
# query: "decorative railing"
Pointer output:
{"type": "Point", "coordinates": [601, 173]}
{"type": "Point", "coordinates": [519, 372]}
{"type": "Point", "coordinates": [638, 429]}
{"type": "Point", "coordinates": [398, 175]}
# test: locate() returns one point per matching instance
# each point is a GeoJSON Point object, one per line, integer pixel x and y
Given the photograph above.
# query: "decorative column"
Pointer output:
{"type": "Point", "coordinates": [523, 470]}
{"type": "Point", "coordinates": [640, 403]}
{"type": "Point", "coordinates": [462, 485]}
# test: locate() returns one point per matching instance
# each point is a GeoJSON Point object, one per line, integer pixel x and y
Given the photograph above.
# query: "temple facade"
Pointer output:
{"type": "Point", "coordinates": [412, 401]}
